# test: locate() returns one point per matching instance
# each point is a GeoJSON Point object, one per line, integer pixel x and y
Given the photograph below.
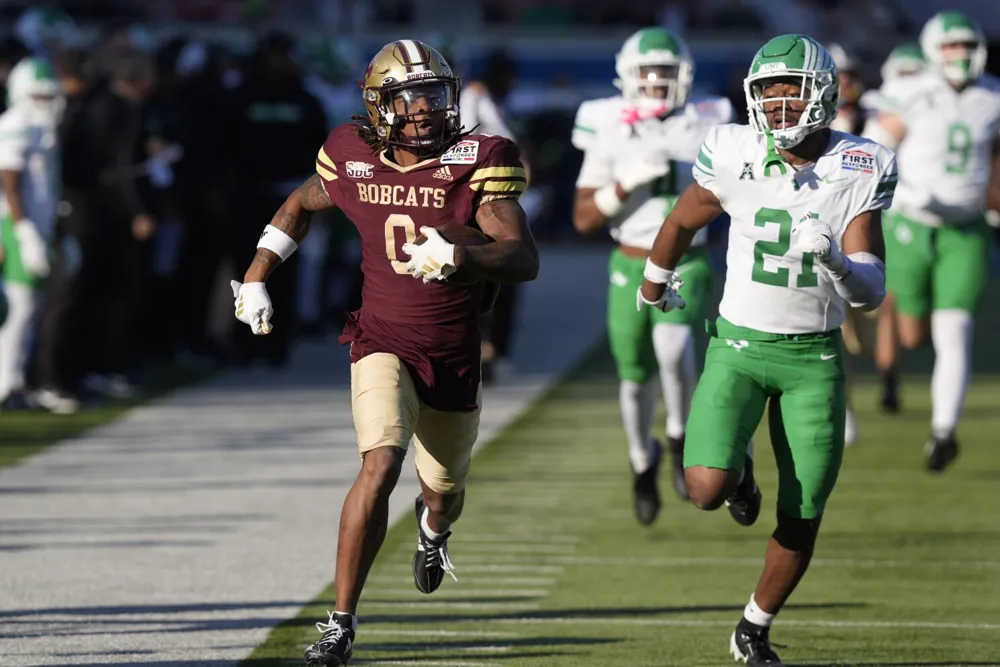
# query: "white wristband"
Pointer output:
{"type": "Point", "coordinates": [278, 242]}
{"type": "Point", "coordinates": [655, 274]}
{"type": "Point", "coordinates": [606, 200]}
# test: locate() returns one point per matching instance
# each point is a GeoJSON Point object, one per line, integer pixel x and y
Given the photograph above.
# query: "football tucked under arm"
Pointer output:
{"type": "Point", "coordinates": [513, 256]}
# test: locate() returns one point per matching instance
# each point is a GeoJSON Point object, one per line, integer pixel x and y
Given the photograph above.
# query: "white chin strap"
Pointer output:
{"type": "Point", "coordinates": [790, 137]}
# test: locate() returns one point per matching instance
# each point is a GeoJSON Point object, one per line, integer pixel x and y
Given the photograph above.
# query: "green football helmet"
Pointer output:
{"type": "Point", "coordinates": [953, 27]}
{"type": "Point", "coordinates": [906, 59]}
{"type": "Point", "coordinates": [667, 62]}
{"type": "Point", "coordinates": [799, 59]}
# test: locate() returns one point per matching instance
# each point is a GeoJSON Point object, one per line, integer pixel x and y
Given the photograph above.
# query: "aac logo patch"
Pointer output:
{"type": "Point", "coordinates": [464, 152]}
{"type": "Point", "coordinates": [359, 169]}
{"type": "Point", "coordinates": [858, 160]}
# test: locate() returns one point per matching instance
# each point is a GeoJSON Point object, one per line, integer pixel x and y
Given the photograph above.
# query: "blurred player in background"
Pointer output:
{"type": "Point", "coordinates": [639, 148]}
{"type": "Point", "coordinates": [29, 170]}
{"type": "Point", "coordinates": [944, 124]}
{"type": "Point", "coordinates": [415, 347]}
{"type": "Point", "coordinates": [805, 241]}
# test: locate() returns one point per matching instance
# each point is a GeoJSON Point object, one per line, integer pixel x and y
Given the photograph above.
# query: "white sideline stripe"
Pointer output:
{"type": "Point", "coordinates": [439, 604]}
{"type": "Point", "coordinates": [928, 625]}
{"type": "Point", "coordinates": [411, 592]}
{"type": "Point", "coordinates": [483, 634]}
{"type": "Point", "coordinates": [431, 663]}
{"type": "Point", "coordinates": [543, 537]}
{"type": "Point", "coordinates": [755, 562]}
{"type": "Point", "coordinates": [486, 566]}
{"type": "Point", "coordinates": [541, 582]}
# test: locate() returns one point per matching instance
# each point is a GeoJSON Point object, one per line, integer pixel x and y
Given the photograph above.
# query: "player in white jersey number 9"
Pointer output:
{"type": "Point", "coordinates": [944, 124]}
{"type": "Point", "coordinates": [804, 242]}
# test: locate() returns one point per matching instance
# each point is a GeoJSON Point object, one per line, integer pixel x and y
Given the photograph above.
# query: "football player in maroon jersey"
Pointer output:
{"type": "Point", "coordinates": [398, 173]}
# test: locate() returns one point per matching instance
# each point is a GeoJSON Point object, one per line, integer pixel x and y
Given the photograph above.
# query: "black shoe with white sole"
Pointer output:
{"type": "Point", "coordinates": [753, 648]}
{"type": "Point", "coordinates": [336, 645]}
{"type": "Point", "coordinates": [431, 561]}
{"type": "Point", "coordinates": [744, 504]}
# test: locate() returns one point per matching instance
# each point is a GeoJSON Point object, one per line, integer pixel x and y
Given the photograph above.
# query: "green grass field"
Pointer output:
{"type": "Point", "coordinates": [554, 571]}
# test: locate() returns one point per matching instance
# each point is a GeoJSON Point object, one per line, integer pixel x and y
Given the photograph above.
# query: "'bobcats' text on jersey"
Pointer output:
{"type": "Point", "coordinates": [770, 287]}
{"type": "Point", "coordinates": [945, 157]}
{"type": "Point", "coordinates": [610, 139]}
{"type": "Point", "coordinates": [433, 327]}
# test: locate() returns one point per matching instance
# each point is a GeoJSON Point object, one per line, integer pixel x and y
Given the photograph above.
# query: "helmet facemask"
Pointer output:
{"type": "Point", "coordinates": [790, 119]}
{"type": "Point", "coordinates": [418, 116]}
{"type": "Point", "coordinates": [961, 62]}
{"type": "Point", "coordinates": [655, 84]}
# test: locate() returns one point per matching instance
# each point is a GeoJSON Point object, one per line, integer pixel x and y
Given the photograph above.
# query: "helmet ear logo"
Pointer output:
{"type": "Point", "coordinates": [371, 95]}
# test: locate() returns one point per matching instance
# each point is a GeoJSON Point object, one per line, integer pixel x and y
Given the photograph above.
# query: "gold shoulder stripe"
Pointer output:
{"type": "Point", "coordinates": [325, 159]}
{"type": "Point", "coordinates": [486, 199]}
{"type": "Point", "coordinates": [325, 173]}
{"type": "Point", "coordinates": [498, 186]}
{"type": "Point", "coordinates": [497, 172]}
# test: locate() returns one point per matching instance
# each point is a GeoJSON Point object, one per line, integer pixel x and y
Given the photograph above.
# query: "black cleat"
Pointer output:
{"type": "Point", "coordinates": [336, 645]}
{"type": "Point", "coordinates": [431, 561]}
{"type": "Point", "coordinates": [753, 649]}
{"type": "Point", "coordinates": [676, 446]}
{"type": "Point", "coordinates": [744, 504]}
{"type": "Point", "coordinates": [940, 452]}
{"type": "Point", "coordinates": [646, 488]}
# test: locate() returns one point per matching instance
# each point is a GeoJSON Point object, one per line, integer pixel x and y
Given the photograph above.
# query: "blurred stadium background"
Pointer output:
{"type": "Point", "coordinates": [164, 501]}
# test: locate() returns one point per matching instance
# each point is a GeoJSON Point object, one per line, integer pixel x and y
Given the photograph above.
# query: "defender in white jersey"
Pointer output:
{"type": "Point", "coordinates": [638, 151]}
{"type": "Point", "coordinates": [29, 167]}
{"type": "Point", "coordinates": [805, 241]}
{"type": "Point", "coordinates": [944, 124]}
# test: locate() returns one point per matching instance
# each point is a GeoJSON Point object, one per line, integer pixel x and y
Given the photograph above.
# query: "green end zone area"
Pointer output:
{"type": "Point", "coordinates": [554, 570]}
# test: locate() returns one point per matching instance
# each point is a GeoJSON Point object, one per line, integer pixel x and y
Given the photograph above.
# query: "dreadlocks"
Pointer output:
{"type": "Point", "coordinates": [368, 134]}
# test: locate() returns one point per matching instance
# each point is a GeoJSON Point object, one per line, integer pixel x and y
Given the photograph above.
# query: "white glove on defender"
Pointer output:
{"type": "Point", "coordinates": [34, 253]}
{"type": "Point", "coordinates": [642, 170]}
{"type": "Point", "coordinates": [817, 238]}
{"type": "Point", "coordinates": [434, 259]}
{"type": "Point", "coordinates": [669, 300]}
{"type": "Point", "coordinates": [253, 306]}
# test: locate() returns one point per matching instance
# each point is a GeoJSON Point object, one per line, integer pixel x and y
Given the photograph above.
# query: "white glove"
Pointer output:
{"type": "Point", "coordinates": [817, 238]}
{"type": "Point", "coordinates": [434, 259]}
{"type": "Point", "coordinates": [34, 253]}
{"type": "Point", "coordinates": [669, 300]}
{"type": "Point", "coordinates": [253, 306]}
{"type": "Point", "coordinates": [642, 170]}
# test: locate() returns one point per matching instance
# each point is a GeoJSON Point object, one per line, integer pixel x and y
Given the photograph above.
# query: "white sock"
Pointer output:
{"type": "Point", "coordinates": [16, 335]}
{"type": "Point", "coordinates": [354, 619]}
{"type": "Point", "coordinates": [756, 615]}
{"type": "Point", "coordinates": [638, 403]}
{"type": "Point", "coordinates": [674, 346]}
{"type": "Point", "coordinates": [424, 526]}
{"type": "Point", "coordinates": [951, 332]}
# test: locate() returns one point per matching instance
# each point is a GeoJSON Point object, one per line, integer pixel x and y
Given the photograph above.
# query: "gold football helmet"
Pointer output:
{"type": "Point", "coordinates": [411, 96]}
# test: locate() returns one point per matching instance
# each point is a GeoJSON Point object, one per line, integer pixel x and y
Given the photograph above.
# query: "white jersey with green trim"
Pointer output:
{"type": "Point", "coordinates": [946, 155]}
{"type": "Point", "coordinates": [611, 135]}
{"type": "Point", "coordinates": [769, 286]}
{"type": "Point", "coordinates": [32, 149]}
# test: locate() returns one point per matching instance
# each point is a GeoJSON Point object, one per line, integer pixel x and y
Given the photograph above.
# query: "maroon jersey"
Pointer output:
{"type": "Point", "coordinates": [432, 328]}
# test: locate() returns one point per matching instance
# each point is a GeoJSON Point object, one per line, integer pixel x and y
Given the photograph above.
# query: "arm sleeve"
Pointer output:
{"type": "Point", "coordinates": [585, 126]}
{"type": "Point", "coordinates": [884, 186]}
{"type": "Point", "coordinates": [13, 142]}
{"type": "Point", "coordinates": [703, 170]}
{"type": "Point", "coordinates": [499, 175]}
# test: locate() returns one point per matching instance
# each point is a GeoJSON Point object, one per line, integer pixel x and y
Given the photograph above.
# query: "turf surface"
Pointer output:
{"type": "Point", "coordinates": [554, 571]}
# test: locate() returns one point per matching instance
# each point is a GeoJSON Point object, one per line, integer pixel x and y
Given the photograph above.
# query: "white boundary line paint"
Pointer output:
{"type": "Point", "coordinates": [860, 625]}
{"type": "Point", "coordinates": [608, 561]}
